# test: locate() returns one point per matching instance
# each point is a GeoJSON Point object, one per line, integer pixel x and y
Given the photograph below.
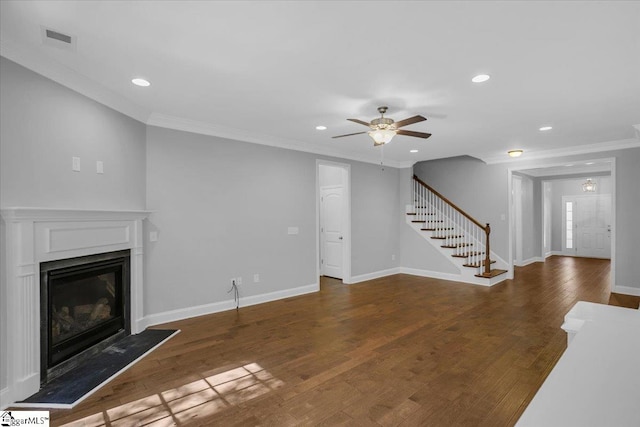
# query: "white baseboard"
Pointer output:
{"type": "Point", "coordinates": [530, 261]}
{"type": "Point", "coordinates": [626, 290]}
{"type": "Point", "coordinates": [371, 276]}
{"type": "Point", "coordinates": [431, 274]}
{"type": "Point", "coordinates": [216, 307]}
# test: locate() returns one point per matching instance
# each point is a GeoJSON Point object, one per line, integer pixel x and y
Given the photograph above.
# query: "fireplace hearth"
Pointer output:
{"type": "Point", "coordinates": [84, 308]}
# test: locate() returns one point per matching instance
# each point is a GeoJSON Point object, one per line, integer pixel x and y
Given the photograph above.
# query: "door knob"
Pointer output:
{"type": "Point", "coordinates": [340, 238]}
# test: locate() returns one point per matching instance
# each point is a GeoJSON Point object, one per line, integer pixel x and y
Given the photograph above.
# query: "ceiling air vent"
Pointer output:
{"type": "Point", "coordinates": [58, 39]}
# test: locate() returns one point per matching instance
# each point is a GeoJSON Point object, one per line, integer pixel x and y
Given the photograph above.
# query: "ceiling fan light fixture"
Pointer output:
{"type": "Point", "coordinates": [382, 136]}
{"type": "Point", "coordinates": [515, 153]}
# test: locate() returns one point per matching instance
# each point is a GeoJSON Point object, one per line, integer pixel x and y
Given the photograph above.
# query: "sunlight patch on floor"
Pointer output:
{"type": "Point", "coordinates": [197, 399]}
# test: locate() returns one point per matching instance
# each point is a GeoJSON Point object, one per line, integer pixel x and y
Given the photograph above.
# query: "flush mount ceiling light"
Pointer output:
{"type": "Point", "coordinates": [320, 127]}
{"type": "Point", "coordinates": [589, 186]}
{"type": "Point", "coordinates": [480, 78]}
{"type": "Point", "coordinates": [413, 151]}
{"type": "Point", "coordinates": [140, 82]}
{"type": "Point", "coordinates": [515, 153]}
{"type": "Point", "coordinates": [545, 128]}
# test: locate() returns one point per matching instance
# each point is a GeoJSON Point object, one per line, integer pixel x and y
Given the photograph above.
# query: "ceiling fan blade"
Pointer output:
{"type": "Point", "coordinates": [349, 134]}
{"type": "Point", "coordinates": [412, 133]}
{"type": "Point", "coordinates": [359, 121]}
{"type": "Point", "coordinates": [409, 121]}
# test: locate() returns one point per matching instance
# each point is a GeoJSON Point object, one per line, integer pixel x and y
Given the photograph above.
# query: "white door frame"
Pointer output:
{"type": "Point", "coordinates": [546, 222]}
{"type": "Point", "coordinates": [346, 232]}
{"type": "Point", "coordinates": [542, 164]}
{"type": "Point", "coordinates": [517, 219]}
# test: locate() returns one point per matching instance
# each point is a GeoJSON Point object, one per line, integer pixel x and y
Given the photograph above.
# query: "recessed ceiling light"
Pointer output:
{"type": "Point", "coordinates": [545, 128]}
{"type": "Point", "coordinates": [568, 166]}
{"type": "Point", "coordinates": [140, 82]}
{"type": "Point", "coordinates": [589, 163]}
{"type": "Point", "coordinates": [481, 78]}
{"type": "Point", "coordinates": [321, 127]}
{"type": "Point", "coordinates": [413, 151]}
{"type": "Point", "coordinates": [515, 153]}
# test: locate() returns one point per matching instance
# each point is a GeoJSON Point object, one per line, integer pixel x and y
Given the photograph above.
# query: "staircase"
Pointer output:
{"type": "Point", "coordinates": [464, 240]}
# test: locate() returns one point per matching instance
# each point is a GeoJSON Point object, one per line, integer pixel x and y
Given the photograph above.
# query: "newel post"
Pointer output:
{"type": "Point", "coordinates": [487, 255]}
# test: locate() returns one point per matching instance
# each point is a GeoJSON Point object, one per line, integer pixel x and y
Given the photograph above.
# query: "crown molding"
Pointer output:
{"type": "Point", "coordinates": [622, 144]}
{"type": "Point", "coordinates": [637, 128]}
{"type": "Point", "coordinates": [202, 128]}
{"type": "Point", "coordinates": [72, 79]}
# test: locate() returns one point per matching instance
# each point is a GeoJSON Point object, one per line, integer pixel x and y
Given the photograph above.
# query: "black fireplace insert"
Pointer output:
{"type": "Point", "coordinates": [84, 307]}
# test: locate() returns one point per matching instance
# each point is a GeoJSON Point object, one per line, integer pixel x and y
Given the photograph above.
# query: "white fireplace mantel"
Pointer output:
{"type": "Point", "coordinates": [35, 235]}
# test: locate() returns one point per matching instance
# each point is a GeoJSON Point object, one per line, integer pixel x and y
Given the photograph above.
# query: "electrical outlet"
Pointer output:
{"type": "Point", "coordinates": [256, 278]}
{"type": "Point", "coordinates": [99, 167]}
{"type": "Point", "coordinates": [233, 281]}
{"type": "Point", "coordinates": [239, 281]}
{"type": "Point", "coordinates": [393, 257]}
{"type": "Point", "coordinates": [75, 164]}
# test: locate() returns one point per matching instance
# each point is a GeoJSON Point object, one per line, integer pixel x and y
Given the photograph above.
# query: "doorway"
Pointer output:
{"type": "Point", "coordinates": [334, 220]}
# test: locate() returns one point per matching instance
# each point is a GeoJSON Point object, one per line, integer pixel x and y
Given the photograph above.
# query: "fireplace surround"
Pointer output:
{"type": "Point", "coordinates": [33, 236]}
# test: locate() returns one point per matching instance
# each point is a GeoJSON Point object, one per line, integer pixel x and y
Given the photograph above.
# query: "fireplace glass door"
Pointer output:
{"type": "Point", "coordinates": [84, 302]}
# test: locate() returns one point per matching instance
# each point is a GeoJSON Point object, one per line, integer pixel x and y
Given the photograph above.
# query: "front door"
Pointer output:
{"type": "Point", "coordinates": [587, 225]}
{"type": "Point", "coordinates": [593, 226]}
{"type": "Point", "coordinates": [331, 226]}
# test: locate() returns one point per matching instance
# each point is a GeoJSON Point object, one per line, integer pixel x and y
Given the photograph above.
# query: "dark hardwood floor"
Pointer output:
{"type": "Point", "coordinates": [400, 350]}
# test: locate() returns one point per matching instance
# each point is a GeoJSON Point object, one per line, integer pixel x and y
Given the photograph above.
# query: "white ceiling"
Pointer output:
{"type": "Point", "coordinates": [269, 72]}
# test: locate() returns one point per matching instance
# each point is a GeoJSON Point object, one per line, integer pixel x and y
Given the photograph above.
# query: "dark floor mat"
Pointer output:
{"type": "Point", "coordinates": [71, 387]}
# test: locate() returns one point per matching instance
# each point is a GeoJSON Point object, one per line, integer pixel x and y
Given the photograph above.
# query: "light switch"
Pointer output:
{"type": "Point", "coordinates": [153, 236]}
{"type": "Point", "coordinates": [75, 164]}
{"type": "Point", "coordinates": [503, 217]}
{"type": "Point", "coordinates": [293, 230]}
{"type": "Point", "coordinates": [99, 167]}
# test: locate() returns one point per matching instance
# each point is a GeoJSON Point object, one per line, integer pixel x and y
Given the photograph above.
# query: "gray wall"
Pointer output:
{"type": "Point", "coordinates": [222, 209]}
{"type": "Point", "coordinates": [531, 219]}
{"type": "Point", "coordinates": [42, 126]}
{"type": "Point", "coordinates": [482, 190]}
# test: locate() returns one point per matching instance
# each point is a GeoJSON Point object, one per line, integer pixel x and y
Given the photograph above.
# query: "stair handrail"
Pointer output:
{"type": "Point", "coordinates": [486, 228]}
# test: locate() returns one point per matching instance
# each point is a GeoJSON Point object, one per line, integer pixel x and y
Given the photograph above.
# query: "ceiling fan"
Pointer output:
{"type": "Point", "coordinates": [383, 129]}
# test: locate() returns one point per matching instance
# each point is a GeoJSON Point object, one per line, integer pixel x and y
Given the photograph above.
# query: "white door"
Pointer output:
{"type": "Point", "coordinates": [331, 227]}
{"type": "Point", "coordinates": [593, 226]}
{"type": "Point", "coordinates": [587, 225]}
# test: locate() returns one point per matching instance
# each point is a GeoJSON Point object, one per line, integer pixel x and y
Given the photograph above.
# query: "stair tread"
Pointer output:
{"type": "Point", "coordinates": [436, 229]}
{"type": "Point", "coordinates": [467, 254]}
{"type": "Point", "coordinates": [424, 220]}
{"type": "Point", "coordinates": [493, 261]}
{"type": "Point", "coordinates": [446, 237]}
{"type": "Point", "coordinates": [493, 273]}
{"type": "Point", "coordinates": [457, 245]}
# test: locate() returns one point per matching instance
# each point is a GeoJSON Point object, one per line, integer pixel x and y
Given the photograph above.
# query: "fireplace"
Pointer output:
{"type": "Point", "coordinates": [84, 303]}
{"type": "Point", "coordinates": [36, 236]}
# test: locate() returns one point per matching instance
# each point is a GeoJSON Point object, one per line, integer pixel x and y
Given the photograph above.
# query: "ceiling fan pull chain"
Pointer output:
{"type": "Point", "coordinates": [382, 157]}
